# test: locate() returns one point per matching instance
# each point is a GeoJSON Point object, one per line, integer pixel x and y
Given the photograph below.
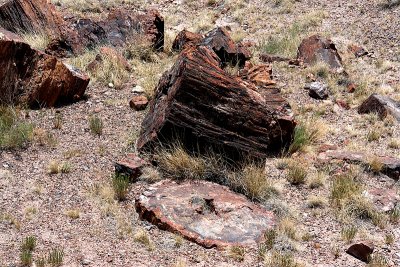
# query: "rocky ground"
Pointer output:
{"type": "Point", "coordinates": [76, 210]}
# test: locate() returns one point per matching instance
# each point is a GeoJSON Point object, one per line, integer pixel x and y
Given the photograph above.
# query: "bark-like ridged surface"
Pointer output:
{"type": "Point", "coordinates": [382, 105]}
{"type": "Point", "coordinates": [30, 77]}
{"type": "Point", "coordinates": [202, 104]}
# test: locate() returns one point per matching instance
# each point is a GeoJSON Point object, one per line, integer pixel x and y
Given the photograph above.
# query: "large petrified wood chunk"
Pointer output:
{"type": "Point", "coordinates": [382, 105]}
{"type": "Point", "coordinates": [30, 77]}
{"type": "Point", "coordinates": [318, 49]}
{"type": "Point", "coordinates": [185, 39]}
{"type": "Point", "coordinates": [200, 103]}
{"type": "Point", "coordinates": [203, 212]}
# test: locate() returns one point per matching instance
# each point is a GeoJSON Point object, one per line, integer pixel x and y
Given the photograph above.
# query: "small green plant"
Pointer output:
{"type": "Point", "coordinates": [120, 185]}
{"type": "Point", "coordinates": [278, 259]}
{"type": "Point", "coordinates": [56, 257]}
{"type": "Point", "coordinates": [143, 237]}
{"type": "Point", "coordinates": [14, 133]}
{"type": "Point", "coordinates": [378, 260]}
{"type": "Point", "coordinates": [394, 215]}
{"type": "Point", "coordinates": [40, 262]}
{"type": "Point", "coordinates": [26, 257]}
{"type": "Point", "coordinates": [270, 236]}
{"type": "Point", "coordinates": [237, 253]}
{"type": "Point", "coordinates": [306, 133]}
{"type": "Point", "coordinates": [58, 121]}
{"type": "Point", "coordinates": [348, 233]}
{"type": "Point", "coordinates": [389, 239]}
{"type": "Point", "coordinates": [96, 125]}
{"type": "Point", "coordinates": [65, 167]}
{"type": "Point", "coordinates": [297, 174]}
{"type": "Point", "coordinates": [29, 243]}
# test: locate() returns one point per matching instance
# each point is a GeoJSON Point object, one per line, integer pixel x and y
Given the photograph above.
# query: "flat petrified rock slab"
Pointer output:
{"type": "Point", "coordinates": [203, 212]}
{"type": "Point", "coordinates": [391, 165]}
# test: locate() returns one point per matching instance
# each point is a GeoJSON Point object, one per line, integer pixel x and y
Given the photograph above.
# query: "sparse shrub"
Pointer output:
{"type": "Point", "coordinates": [40, 262]}
{"type": "Point", "coordinates": [120, 185]}
{"type": "Point", "coordinates": [306, 133]}
{"type": "Point", "coordinates": [14, 133]}
{"type": "Point", "coordinates": [251, 180]}
{"type": "Point", "coordinates": [297, 174]}
{"type": "Point", "coordinates": [288, 227]}
{"type": "Point", "coordinates": [180, 165]}
{"type": "Point", "coordinates": [54, 167]}
{"type": "Point", "coordinates": [43, 137]}
{"type": "Point", "coordinates": [139, 47]}
{"type": "Point", "coordinates": [178, 241]}
{"type": "Point", "coordinates": [375, 165]}
{"type": "Point", "coordinates": [360, 207]}
{"type": "Point", "coordinates": [142, 237]}
{"type": "Point", "coordinates": [73, 214]}
{"type": "Point", "coordinates": [348, 233]}
{"type": "Point", "coordinates": [344, 186]}
{"type": "Point", "coordinates": [56, 257]}
{"type": "Point", "coordinates": [317, 180]}
{"type": "Point", "coordinates": [65, 167]}
{"type": "Point", "coordinates": [389, 239]}
{"type": "Point", "coordinates": [26, 257]}
{"type": "Point", "coordinates": [282, 164]}
{"type": "Point", "coordinates": [96, 125]}
{"type": "Point", "coordinates": [237, 253]}
{"type": "Point", "coordinates": [378, 260]}
{"type": "Point", "coordinates": [394, 215]}
{"type": "Point", "coordinates": [373, 135]}
{"type": "Point", "coordinates": [58, 121]}
{"type": "Point", "coordinates": [38, 40]}
{"type": "Point", "coordinates": [278, 259]}
{"type": "Point", "coordinates": [270, 236]}
{"type": "Point", "coordinates": [316, 202]}
{"type": "Point", "coordinates": [29, 243]}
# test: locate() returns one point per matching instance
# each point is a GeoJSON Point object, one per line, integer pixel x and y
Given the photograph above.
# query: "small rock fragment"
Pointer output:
{"type": "Point", "coordinates": [138, 102]}
{"type": "Point", "coordinates": [317, 90]}
{"type": "Point", "coordinates": [138, 90]}
{"type": "Point", "coordinates": [361, 251]}
{"type": "Point", "coordinates": [358, 51]}
{"type": "Point", "coordinates": [131, 165]}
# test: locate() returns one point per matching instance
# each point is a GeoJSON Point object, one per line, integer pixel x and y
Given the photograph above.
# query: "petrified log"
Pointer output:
{"type": "Point", "coordinates": [206, 213]}
{"type": "Point", "coordinates": [185, 39]}
{"type": "Point", "coordinates": [200, 103]}
{"type": "Point", "coordinates": [382, 105]}
{"type": "Point", "coordinates": [31, 77]}
{"type": "Point", "coordinates": [361, 251]}
{"type": "Point", "coordinates": [318, 49]}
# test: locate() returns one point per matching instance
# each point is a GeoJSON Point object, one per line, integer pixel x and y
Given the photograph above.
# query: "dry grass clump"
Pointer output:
{"type": "Point", "coordinates": [38, 40]}
{"type": "Point", "coordinates": [96, 125]}
{"type": "Point", "coordinates": [14, 132]}
{"type": "Point", "coordinates": [348, 233]}
{"type": "Point", "coordinates": [296, 174]}
{"type": "Point", "coordinates": [279, 259]}
{"type": "Point", "coordinates": [249, 179]}
{"type": "Point", "coordinates": [120, 185]}
{"type": "Point", "coordinates": [288, 227]}
{"type": "Point", "coordinates": [307, 132]}
{"type": "Point", "coordinates": [237, 253]}
{"type": "Point", "coordinates": [317, 180]}
{"type": "Point", "coordinates": [378, 260]}
{"type": "Point", "coordinates": [73, 214]}
{"type": "Point", "coordinates": [55, 167]}
{"type": "Point", "coordinates": [143, 237]}
{"type": "Point", "coordinates": [316, 202]}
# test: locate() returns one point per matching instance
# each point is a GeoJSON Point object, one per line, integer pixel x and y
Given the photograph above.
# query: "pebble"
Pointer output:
{"type": "Point", "coordinates": [111, 85]}
{"type": "Point", "coordinates": [137, 89]}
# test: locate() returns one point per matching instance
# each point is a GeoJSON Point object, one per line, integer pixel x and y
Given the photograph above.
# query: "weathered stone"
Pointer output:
{"type": "Point", "coordinates": [382, 105]}
{"type": "Point", "coordinates": [205, 213]}
{"type": "Point", "coordinates": [30, 16]}
{"type": "Point", "coordinates": [317, 90]}
{"type": "Point", "coordinates": [357, 51]}
{"type": "Point", "coordinates": [130, 165]}
{"type": "Point", "coordinates": [30, 77]}
{"type": "Point", "coordinates": [26, 16]}
{"type": "Point", "coordinates": [351, 87]}
{"type": "Point", "coordinates": [342, 103]}
{"type": "Point", "coordinates": [318, 49]}
{"type": "Point", "coordinates": [120, 25]}
{"type": "Point", "coordinates": [384, 199]}
{"type": "Point", "coordinates": [199, 102]}
{"type": "Point", "coordinates": [8, 36]}
{"type": "Point", "coordinates": [90, 32]}
{"type": "Point", "coordinates": [390, 165]}
{"type": "Point", "coordinates": [186, 39]}
{"type": "Point", "coordinates": [138, 102]}
{"type": "Point", "coordinates": [220, 41]}
{"type": "Point", "coordinates": [361, 251]}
